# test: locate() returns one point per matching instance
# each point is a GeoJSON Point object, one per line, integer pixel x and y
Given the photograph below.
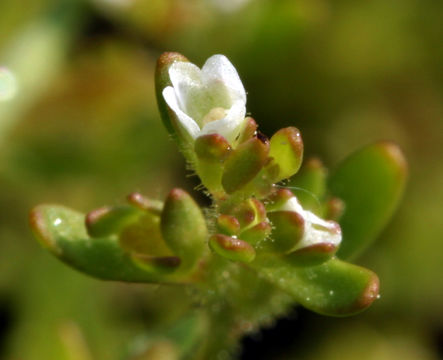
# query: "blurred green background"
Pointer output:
{"type": "Point", "coordinates": [79, 126]}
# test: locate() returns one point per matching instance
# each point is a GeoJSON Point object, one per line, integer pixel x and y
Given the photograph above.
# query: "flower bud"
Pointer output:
{"type": "Point", "coordinates": [257, 233]}
{"type": "Point", "coordinates": [288, 230]}
{"type": "Point", "coordinates": [232, 248]}
{"type": "Point", "coordinates": [228, 225]}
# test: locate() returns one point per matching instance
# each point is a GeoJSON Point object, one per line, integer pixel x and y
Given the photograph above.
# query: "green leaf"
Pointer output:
{"type": "Point", "coordinates": [183, 227]}
{"type": "Point", "coordinates": [370, 182]}
{"type": "Point", "coordinates": [62, 231]}
{"type": "Point", "coordinates": [334, 288]}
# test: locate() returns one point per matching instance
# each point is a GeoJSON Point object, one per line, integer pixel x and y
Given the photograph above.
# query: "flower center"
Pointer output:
{"type": "Point", "coordinates": [214, 114]}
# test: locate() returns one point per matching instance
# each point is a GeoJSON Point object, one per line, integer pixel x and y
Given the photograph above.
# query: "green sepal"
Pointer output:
{"type": "Point", "coordinates": [106, 221]}
{"type": "Point", "coordinates": [311, 255]}
{"type": "Point", "coordinates": [288, 229]}
{"type": "Point", "coordinates": [286, 149]}
{"type": "Point", "coordinates": [278, 198]}
{"type": "Point", "coordinates": [249, 212]}
{"type": "Point", "coordinates": [212, 147]}
{"type": "Point", "coordinates": [257, 233]}
{"type": "Point", "coordinates": [232, 248]}
{"type": "Point", "coordinates": [183, 227]}
{"type": "Point", "coordinates": [63, 232]}
{"type": "Point", "coordinates": [244, 163]}
{"type": "Point", "coordinates": [228, 225]}
{"type": "Point", "coordinates": [370, 182]}
{"type": "Point", "coordinates": [169, 118]}
{"type": "Point", "coordinates": [249, 130]}
{"type": "Point", "coordinates": [335, 288]}
{"type": "Point", "coordinates": [309, 184]}
{"type": "Point", "coordinates": [212, 151]}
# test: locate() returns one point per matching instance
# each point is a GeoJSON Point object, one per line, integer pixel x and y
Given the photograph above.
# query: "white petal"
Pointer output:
{"type": "Point", "coordinates": [185, 78]}
{"type": "Point", "coordinates": [188, 124]}
{"type": "Point", "coordinates": [230, 126]}
{"type": "Point", "coordinates": [317, 230]}
{"type": "Point", "coordinates": [219, 69]}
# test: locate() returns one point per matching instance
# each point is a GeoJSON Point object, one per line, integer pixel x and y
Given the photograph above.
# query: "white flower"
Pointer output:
{"type": "Point", "coordinates": [207, 101]}
{"type": "Point", "coordinates": [317, 230]}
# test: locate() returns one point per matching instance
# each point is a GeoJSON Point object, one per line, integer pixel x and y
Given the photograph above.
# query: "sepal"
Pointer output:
{"type": "Point", "coordinates": [286, 151]}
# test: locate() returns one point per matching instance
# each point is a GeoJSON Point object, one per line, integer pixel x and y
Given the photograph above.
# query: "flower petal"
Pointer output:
{"type": "Point", "coordinates": [317, 230]}
{"type": "Point", "coordinates": [170, 96]}
{"type": "Point", "coordinates": [219, 69]}
{"type": "Point", "coordinates": [230, 126]}
{"type": "Point", "coordinates": [186, 80]}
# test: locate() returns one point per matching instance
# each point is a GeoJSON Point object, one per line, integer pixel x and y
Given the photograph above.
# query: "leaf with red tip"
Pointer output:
{"type": "Point", "coordinates": [370, 182]}
{"type": "Point", "coordinates": [63, 232]}
{"type": "Point", "coordinates": [334, 288]}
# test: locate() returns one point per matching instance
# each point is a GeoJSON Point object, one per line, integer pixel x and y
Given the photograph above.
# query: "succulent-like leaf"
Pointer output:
{"type": "Point", "coordinates": [370, 182]}
{"type": "Point", "coordinates": [334, 288]}
{"type": "Point", "coordinates": [183, 227]}
{"type": "Point", "coordinates": [63, 232]}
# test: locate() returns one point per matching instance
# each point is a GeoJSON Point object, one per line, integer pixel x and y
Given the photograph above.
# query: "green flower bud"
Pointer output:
{"type": "Point", "coordinates": [244, 163]}
{"type": "Point", "coordinates": [228, 225]}
{"type": "Point", "coordinates": [257, 233]}
{"type": "Point", "coordinates": [289, 227]}
{"type": "Point", "coordinates": [249, 130]}
{"type": "Point", "coordinates": [183, 227]}
{"type": "Point", "coordinates": [311, 255]}
{"type": "Point", "coordinates": [249, 212]}
{"type": "Point", "coordinates": [232, 248]}
{"type": "Point", "coordinates": [286, 149]}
